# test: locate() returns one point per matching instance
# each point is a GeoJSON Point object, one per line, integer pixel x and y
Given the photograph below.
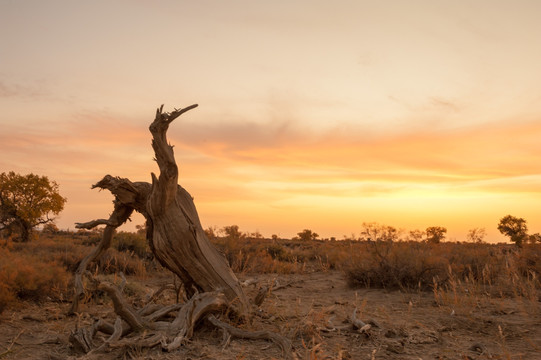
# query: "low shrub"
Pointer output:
{"type": "Point", "coordinates": [421, 265]}
{"type": "Point", "coordinates": [42, 269]}
{"type": "Point", "coordinates": [131, 242]}
{"type": "Point", "coordinates": [404, 265]}
{"type": "Point", "coordinates": [528, 260]}
{"type": "Point", "coordinates": [7, 296]}
{"type": "Point", "coordinates": [26, 276]}
{"type": "Point", "coordinates": [251, 255]}
{"type": "Point", "coordinates": [114, 261]}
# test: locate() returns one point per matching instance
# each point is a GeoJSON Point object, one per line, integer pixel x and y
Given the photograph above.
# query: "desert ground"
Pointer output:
{"type": "Point", "coordinates": [312, 309]}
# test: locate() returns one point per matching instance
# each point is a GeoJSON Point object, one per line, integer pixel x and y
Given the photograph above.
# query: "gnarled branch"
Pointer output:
{"type": "Point", "coordinates": [179, 242]}
{"type": "Point", "coordinates": [120, 214]}
{"type": "Point", "coordinates": [279, 340]}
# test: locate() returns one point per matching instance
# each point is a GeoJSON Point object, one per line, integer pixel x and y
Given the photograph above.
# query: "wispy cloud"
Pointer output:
{"type": "Point", "coordinates": [285, 168]}
{"type": "Point", "coordinates": [276, 165]}
{"type": "Point", "coordinates": [12, 90]}
{"type": "Point", "coordinates": [470, 153]}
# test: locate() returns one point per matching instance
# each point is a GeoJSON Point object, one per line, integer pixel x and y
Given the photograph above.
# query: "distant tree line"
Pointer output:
{"type": "Point", "coordinates": [27, 201]}
{"type": "Point", "coordinates": [513, 227]}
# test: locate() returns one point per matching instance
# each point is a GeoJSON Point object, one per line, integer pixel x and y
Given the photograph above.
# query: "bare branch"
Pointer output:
{"type": "Point", "coordinates": [195, 308]}
{"type": "Point", "coordinates": [93, 223]}
{"type": "Point", "coordinates": [358, 323]}
{"type": "Point", "coordinates": [177, 112]}
{"type": "Point", "coordinates": [120, 214]}
{"type": "Point", "coordinates": [164, 310]}
{"type": "Point", "coordinates": [279, 340]}
{"type": "Point", "coordinates": [125, 311]}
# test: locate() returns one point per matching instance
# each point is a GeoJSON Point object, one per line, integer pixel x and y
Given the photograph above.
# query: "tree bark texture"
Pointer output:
{"type": "Point", "coordinates": [174, 231]}
{"type": "Point", "coordinates": [178, 240]}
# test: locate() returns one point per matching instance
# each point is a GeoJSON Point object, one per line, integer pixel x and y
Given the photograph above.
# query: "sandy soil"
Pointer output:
{"type": "Point", "coordinates": [404, 325]}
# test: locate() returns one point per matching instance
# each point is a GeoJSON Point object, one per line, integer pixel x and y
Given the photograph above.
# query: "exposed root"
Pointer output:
{"type": "Point", "coordinates": [179, 243]}
{"type": "Point", "coordinates": [157, 293]}
{"type": "Point", "coordinates": [122, 308]}
{"type": "Point", "coordinates": [82, 339]}
{"type": "Point", "coordinates": [8, 350]}
{"type": "Point", "coordinates": [153, 325]}
{"type": "Point", "coordinates": [115, 336]}
{"type": "Point", "coordinates": [279, 340]}
{"type": "Point", "coordinates": [120, 214]}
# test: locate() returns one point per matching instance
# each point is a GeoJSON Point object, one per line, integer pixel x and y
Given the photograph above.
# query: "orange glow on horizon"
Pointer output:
{"type": "Point", "coordinates": [312, 115]}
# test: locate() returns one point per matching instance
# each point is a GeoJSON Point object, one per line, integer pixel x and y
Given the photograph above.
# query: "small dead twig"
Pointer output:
{"type": "Point", "coordinates": [279, 340]}
{"type": "Point", "coordinates": [360, 325]}
{"type": "Point", "coordinates": [8, 350]}
{"type": "Point", "coordinates": [150, 298]}
{"type": "Point", "coordinates": [264, 291]}
{"type": "Point", "coordinates": [330, 327]}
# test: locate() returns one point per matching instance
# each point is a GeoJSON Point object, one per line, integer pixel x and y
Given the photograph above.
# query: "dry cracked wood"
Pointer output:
{"type": "Point", "coordinates": [174, 232]}
{"type": "Point", "coordinates": [177, 239]}
{"type": "Point", "coordinates": [148, 328]}
{"type": "Point", "coordinates": [279, 340]}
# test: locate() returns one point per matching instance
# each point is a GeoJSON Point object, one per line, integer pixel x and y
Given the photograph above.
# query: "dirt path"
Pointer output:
{"type": "Point", "coordinates": [404, 326]}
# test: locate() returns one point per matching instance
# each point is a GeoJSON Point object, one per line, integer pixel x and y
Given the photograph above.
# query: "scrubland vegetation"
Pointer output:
{"type": "Point", "coordinates": [42, 269]}
{"type": "Point", "coordinates": [427, 281]}
{"type": "Point", "coordinates": [437, 279]}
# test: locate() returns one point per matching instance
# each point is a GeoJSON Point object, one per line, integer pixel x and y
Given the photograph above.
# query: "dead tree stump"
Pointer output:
{"type": "Point", "coordinates": [174, 231]}
{"type": "Point", "coordinates": [177, 239]}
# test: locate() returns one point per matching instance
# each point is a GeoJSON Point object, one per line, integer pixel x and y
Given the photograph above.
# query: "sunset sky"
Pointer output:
{"type": "Point", "coordinates": [312, 114]}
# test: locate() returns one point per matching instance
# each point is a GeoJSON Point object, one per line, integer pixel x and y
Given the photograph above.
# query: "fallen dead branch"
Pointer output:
{"type": "Point", "coordinates": [279, 340]}
{"type": "Point", "coordinates": [360, 325]}
{"type": "Point", "coordinates": [148, 327]}
{"type": "Point", "coordinates": [354, 324]}
{"type": "Point", "coordinates": [8, 350]}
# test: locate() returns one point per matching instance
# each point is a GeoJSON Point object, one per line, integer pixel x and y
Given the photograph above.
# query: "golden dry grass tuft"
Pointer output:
{"type": "Point", "coordinates": [25, 276]}
{"type": "Point", "coordinates": [43, 269]}
{"type": "Point", "coordinates": [422, 265]}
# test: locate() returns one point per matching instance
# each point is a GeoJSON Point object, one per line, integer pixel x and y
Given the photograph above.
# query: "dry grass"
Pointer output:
{"type": "Point", "coordinates": [43, 268]}
{"type": "Point", "coordinates": [26, 276]}
{"type": "Point", "coordinates": [447, 300]}
{"type": "Point", "coordinates": [413, 265]}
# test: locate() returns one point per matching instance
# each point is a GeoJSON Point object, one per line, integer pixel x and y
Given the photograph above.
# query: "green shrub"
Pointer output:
{"type": "Point", "coordinates": [131, 242]}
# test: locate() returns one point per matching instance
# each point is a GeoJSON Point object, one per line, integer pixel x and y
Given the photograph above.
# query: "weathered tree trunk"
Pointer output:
{"type": "Point", "coordinates": [177, 239]}
{"type": "Point", "coordinates": [174, 231]}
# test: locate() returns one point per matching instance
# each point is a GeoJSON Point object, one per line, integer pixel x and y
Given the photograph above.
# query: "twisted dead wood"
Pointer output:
{"type": "Point", "coordinates": [174, 232]}
{"type": "Point", "coordinates": [177, 240]}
